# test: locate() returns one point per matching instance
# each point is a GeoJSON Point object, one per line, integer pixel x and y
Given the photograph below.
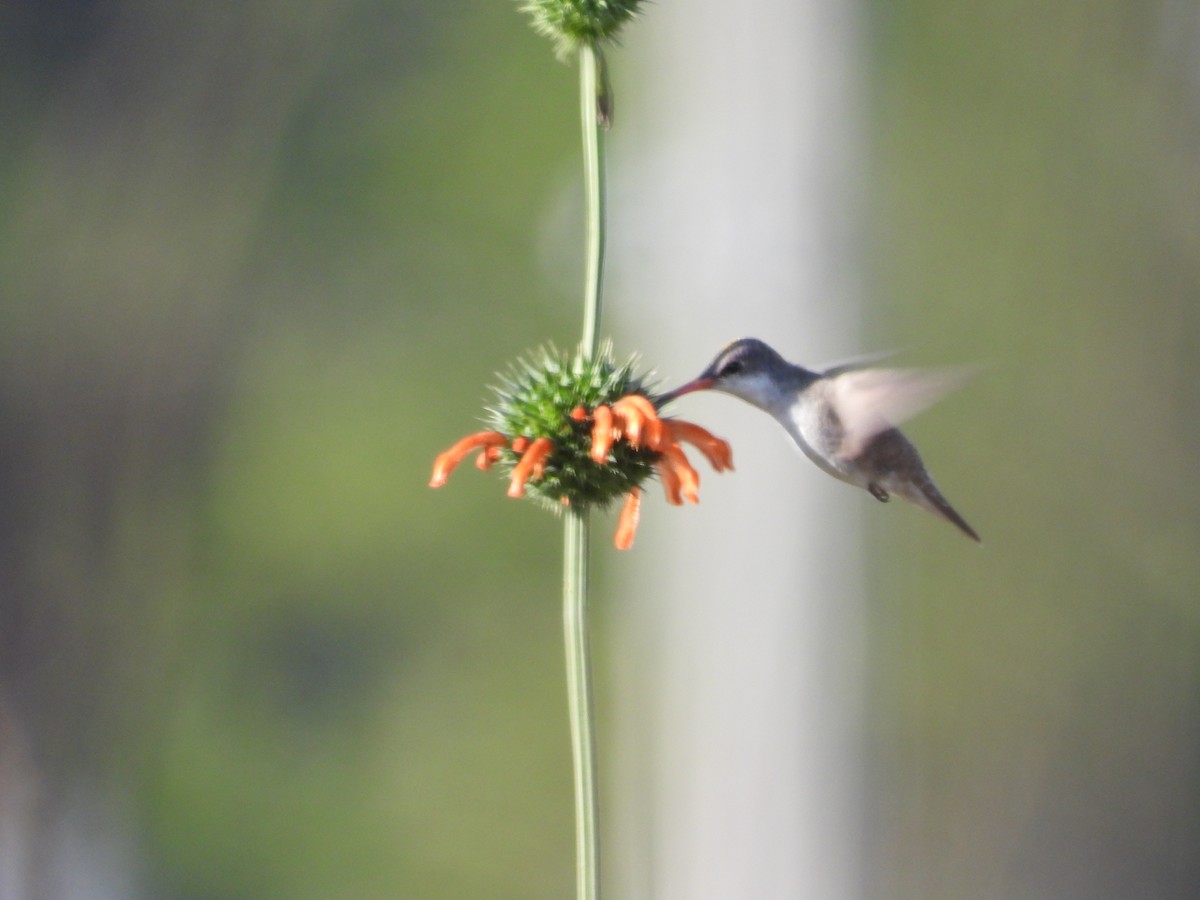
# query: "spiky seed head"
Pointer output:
{"type": "Point", "coordinates": [571, 23]}
{"type": "Point", "coordinates": [535, 398]}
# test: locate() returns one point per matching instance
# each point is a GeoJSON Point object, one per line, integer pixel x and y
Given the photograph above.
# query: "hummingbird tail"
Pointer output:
{"type": "Point", "coordinates": [931, 498]}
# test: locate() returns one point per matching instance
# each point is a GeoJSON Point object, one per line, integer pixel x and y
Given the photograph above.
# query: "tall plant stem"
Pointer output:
{"type": "Point", "coordinates": [576, 527]}
{"type": "Point", "coordinates": [590, 85]}
{"type": "Point", "coordinates": [579, 695]}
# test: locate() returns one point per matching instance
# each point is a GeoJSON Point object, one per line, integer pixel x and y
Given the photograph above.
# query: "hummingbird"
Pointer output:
{"type": "Point", "coordinates": [843, 419]}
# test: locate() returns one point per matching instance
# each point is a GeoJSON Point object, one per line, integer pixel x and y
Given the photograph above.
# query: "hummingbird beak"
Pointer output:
{"type": "Point", "coordinates": [700, 384]}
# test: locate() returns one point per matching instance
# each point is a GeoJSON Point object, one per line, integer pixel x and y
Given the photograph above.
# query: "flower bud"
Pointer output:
{"type": "Point", "coordinates": [571, 23]}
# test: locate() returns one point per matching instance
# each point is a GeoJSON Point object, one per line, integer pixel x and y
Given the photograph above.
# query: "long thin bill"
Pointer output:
{"type": "Point", "coordinates": [700, 384]}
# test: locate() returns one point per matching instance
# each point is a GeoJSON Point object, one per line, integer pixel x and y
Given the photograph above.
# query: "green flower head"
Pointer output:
{"type": "Point", "coordinates": [536, 398]}
{"type": "Point", "coordinates": [571, 23]}
{"type": "Point", "coordinates": [573, 431]}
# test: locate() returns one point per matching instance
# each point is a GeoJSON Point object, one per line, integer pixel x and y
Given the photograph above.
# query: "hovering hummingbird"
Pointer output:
{"type": "Point", "coordinates": [843, 419]}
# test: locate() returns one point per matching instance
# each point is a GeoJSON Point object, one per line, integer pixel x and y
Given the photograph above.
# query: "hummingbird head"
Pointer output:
{"type": "Point", "coordinates": [747, 369]}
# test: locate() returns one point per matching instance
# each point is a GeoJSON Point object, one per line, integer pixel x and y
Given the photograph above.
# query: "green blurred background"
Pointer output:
{"type": "Point", "coordinates": [258, 262]}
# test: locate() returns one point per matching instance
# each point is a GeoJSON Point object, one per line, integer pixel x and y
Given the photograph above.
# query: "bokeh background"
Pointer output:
{"type": "Point", "coordinates": [258, 262]}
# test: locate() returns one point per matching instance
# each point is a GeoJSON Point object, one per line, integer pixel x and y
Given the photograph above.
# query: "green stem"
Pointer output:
{"type": "Point", "coordinates": [575, 543]}
{"type": "Point", "coordinates": [591, 62]}
{"type": "Point", "coordinates": [579, 695]}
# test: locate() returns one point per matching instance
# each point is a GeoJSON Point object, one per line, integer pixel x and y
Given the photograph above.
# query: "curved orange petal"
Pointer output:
{"type": "Point", "coordinates": [658, 434]}
{"type": "Point", "coordinates": [519, 444]}
{"type": "Point", "coordinates": [670, 483]}
{"type": "Point", "coordinates": [446, 462]}
{"type": "Point", "coordinates": [579, 414]}
{"type": "Point", "coordinates": [628, 522]}
{"type": "Point", "coordinates": [641, 415]}
{"type": "Point", "coordinates": [618, 428]}
{"type": "Point", "coordinates": [689, 478]}
{"type": "Point", "coordinates": [486, 459]}
{"type": "Point", "coordinates": [532, 464]}
{"type": "Point", "coordinates": [717, 451]}
{"type": "Point", "coordinates": [602, 433]}
{"type": "Point", "coordinates": [641, 403]}
{"type": "Point", "coordinates": [628, 424]}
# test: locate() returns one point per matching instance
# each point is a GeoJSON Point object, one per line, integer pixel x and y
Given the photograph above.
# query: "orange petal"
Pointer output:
{"type": "Point", "coordinates": [629, 422]}
{"type": "Point", "coordinates": [519, 444]}
{"type": "Point", "coordinates": [618, 428]}
{"type": "Point", "coordinates": [532, 464]}
{"type": "Point", "coordinates": [579, 414]}
{"type": "Point", "coordinates": [658, 434]}
{"type": "Point", "coordinates": [670, 483]}
{"type": "Point", "coordinates": [487, 458]}
{"type": "Point", "coordinates": [717, 451]}
{"type": "Point", "coordinates": [602, 433]}
{"type": "Point", "coordinates": [644, 418]}
{"type": "Point", "coordinates": [628, 522]}
{"type": "Point", "coordinates": [689, 479]}
{"type": "Point", "coordinates": [446, 462]}
{"type": "Point", "coordinates": [640, 403]}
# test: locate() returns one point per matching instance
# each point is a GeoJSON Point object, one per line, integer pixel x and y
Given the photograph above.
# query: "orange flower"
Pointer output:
{"type": "Point", "coordinates": [632, 419]}
{"type": "Point", "coordinates": [603, 434]}
{"type": "Point", "coordinates": [715, 450]}
{"type": "Point", "coordinates": [628, 523]}
{"type": "Point", "coordinates": [448, 461]}
{"type": "Point", "coordinates": [532, 465]}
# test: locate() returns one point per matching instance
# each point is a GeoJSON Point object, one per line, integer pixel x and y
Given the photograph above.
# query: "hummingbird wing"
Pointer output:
{"type": "Point", "coordinates": [854, 363]}
{"type": "Point", "coordinates": [868, 401]}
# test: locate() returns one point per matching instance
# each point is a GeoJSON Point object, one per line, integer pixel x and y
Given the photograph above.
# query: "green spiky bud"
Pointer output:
{"type": "Point", "coordinates": [535, 399]}
{"type": "Point", "coordinates": [571, 23]}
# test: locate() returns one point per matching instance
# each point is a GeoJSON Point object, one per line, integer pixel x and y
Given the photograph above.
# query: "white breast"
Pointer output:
{"type": "Point", "coordinates": [819, 437]}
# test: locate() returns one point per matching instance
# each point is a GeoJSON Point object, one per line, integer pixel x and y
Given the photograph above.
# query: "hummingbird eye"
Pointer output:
{"type": "Point", "coordinates": [733, 367]}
